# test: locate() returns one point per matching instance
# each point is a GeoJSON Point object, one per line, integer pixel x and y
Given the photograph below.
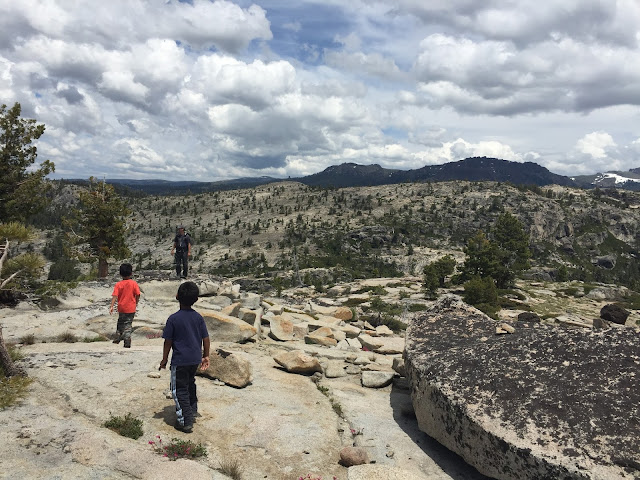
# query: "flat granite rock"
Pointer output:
{"type": "Point", "coordinates": [541, 403]}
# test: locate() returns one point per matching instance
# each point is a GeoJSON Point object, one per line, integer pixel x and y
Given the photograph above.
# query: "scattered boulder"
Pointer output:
{"type": "Point", "coordinates": [391, 346]}
{"type": "Point", "coordinates": [606, 261]}
{"type": "Point", "coordinates": [529, 317]}
{"type": "Point", "coordinates": [297, 361]}
{"type": "Point", "coordinates": [248, 315]}
{"type": "Point", "coordinates": [231, 310]}
{"type": "Point", "coordinates": [398, 366]}
{"type": "Point", "coordinates": [384, 331]}
{"type": "Point", "coordinates": [514, 412]}
{"type": "Point", "coordinates": [608, 293]}
{"type": "Point", "coordinates": [230, 368]}
{"type": "Point", "coordinates": [280, 329]}
{"type": "Point", "coordinates": [315, 339]}
{"type": "Point", "coordinates": [275, 309]}
{"type": "Point", "coordinates": [371, 343]}
{"type": "Point", "coordinates": [224, 328]}
{"type": "Point", "coordinates": [599, 323]}
{"type": "Point", "coordinates": [250, 300]}
{"type": "Point", "coordinates": [373, 379]}
{"type": "Point", "coordinates": [208, 288]}
{"type": "Point", "coordinates": [343, 313]}
{"type": "Point", "coordinates": [321, 336]}
{"type": "Point", "coordinates": [614, 313]}
{"type": "Point", "coordinates": [350, 456]}
{"type": "Point", "coordinates": [218, 300]}
{"type": "Point", "coordinates": [334, 369]}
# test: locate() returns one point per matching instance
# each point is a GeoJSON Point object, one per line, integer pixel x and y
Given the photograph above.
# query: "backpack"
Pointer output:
{"type": "Point", "coordinates": [182, 241]}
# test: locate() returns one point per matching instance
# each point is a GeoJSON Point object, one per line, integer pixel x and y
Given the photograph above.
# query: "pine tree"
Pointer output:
{"type": "Point", "coordinates": [21, 188]}
{"type": "Point", "coordinates": [98, 226]}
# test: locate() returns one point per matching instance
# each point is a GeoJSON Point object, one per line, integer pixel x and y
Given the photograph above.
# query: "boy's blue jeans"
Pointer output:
{"type": "Point", "coordinates": [183, 390]}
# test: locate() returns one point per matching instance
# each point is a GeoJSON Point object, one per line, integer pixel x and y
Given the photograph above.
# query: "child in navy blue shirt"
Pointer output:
{"type": "Point", "coordinates": [186, 334]}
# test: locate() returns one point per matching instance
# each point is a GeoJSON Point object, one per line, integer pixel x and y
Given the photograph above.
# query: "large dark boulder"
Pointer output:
{"type": "Point", "coordinates": [614, 313]}
{"type": "Point", "coordinates": [542, 403]}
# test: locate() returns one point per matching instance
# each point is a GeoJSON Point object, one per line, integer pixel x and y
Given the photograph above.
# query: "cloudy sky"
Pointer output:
{"type": "Point", "coordinates": [209, 90]}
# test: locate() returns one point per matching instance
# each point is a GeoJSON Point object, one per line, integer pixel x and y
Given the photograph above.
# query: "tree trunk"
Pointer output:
{"type": "Point", "coordinates": [103, 268]}
{"type": "Point", "coordinates": [10, 368]}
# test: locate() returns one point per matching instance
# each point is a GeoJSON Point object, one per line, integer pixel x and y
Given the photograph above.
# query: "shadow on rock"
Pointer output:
{"type": "Point", "coordinates": [168, 414]}
{"type": "Point", "coordinates": [403, 413]}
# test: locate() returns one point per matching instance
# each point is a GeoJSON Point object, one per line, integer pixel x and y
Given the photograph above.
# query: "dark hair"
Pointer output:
{"type": "Point", "coordinates": [126, 270]}
{"type": "Point", "coordinates": [188, 293]}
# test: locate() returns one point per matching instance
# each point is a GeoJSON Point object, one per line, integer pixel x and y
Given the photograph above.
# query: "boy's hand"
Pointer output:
{"type": "Point", "coordinates": [205, 363]}
{"type": "Point", "coordinates": [111, 310]}
{"type": "Point", "coordinates": [163, 364]}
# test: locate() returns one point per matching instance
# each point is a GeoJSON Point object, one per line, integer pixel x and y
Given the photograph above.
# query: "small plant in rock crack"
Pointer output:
{"type": "Point", "coordinates": [178, 448]}
{"type": "Point", "coordinates": [231, 467]}
{"type": "Point", "coordinates": [127, 426]}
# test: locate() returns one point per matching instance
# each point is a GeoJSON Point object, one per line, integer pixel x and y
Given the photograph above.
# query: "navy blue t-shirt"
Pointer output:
{"type": "Point", "coordinates": [186, 328]}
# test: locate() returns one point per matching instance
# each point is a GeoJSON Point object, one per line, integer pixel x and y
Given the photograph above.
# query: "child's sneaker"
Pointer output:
{"type": "Point", "coordinates": [127, 344]}
{"type": "Point", "coordinates": [183, 428]}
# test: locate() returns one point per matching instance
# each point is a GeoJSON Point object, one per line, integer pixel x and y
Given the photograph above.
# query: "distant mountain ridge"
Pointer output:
{"type": "Point", "coordinates": [470, 169]}
{"type": "Point", "coordinates": [476, 169]}
{"type": "Point", "coordinates": [614, 179]}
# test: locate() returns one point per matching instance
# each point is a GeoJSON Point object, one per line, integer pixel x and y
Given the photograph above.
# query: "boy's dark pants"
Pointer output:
{"type": "Point", "coordinates": [183, 390]}
{"type": "Point", "coordinates": [182, 262]}
{"type": "Point", "coordinates": [123, 330]}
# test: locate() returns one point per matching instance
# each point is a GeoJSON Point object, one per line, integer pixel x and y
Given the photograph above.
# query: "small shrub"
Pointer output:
{"type": "Point", "coordinates": [231, 467]}
{"type": "Point", "coordinates": [353, 302]}
{"type": "Point", "coordinates": [393, 323]}
{"type": "Point", "coordinates": [29, 339]}
{"type": "Point", "coordinates": [336, 407]}
{"type": "Point", "coordinates": [12, 389]}
{"type": "Point", "coordinates": [178, 449]}
{"type": "Point", "coordinates": [417, 307]}
{"type": "Point", "coordinates": [99, 338]}
{"type": "Point", "coordinates": [632, 302]}
{"type": "Point", "coordinates": [127, 426]}
{"type": "Point", "coordinates": [67, 337]}
{"type": "Point", "coordinates": [570, 291]}
{"type": "Point", "coordinates": [323, 390]}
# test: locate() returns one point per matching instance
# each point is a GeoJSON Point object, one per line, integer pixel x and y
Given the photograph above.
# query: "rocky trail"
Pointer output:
{"type": "Point", "coordinates": [279, 425]}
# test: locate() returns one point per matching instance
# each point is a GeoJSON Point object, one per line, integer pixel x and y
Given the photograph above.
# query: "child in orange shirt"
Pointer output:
{"type": "Point", "coordinates": [127, 293]}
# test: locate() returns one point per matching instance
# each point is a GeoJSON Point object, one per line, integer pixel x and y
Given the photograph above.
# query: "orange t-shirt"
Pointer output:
{"type": "Point", "coordinates": [126, 291]}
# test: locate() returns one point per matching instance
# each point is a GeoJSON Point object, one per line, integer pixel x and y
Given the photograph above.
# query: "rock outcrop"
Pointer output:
{"type": "Point", "coordinates": [542, 402]}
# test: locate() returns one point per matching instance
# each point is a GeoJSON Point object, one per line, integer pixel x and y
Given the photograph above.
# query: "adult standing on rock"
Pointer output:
{"type": "Point", "coordinates": [182, 251]}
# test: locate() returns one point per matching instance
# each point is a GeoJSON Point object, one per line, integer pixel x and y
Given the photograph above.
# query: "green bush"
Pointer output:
{"type": "Point", "coordinates": [417, 307]}
{"type": "Point", "coordinates": [178, 449]}
{"type": "Point", "coordinates": [64, 269]}
{"type": "Point", "coordinates": [480, 290]}
{"type": "Point", "coordinates": [67, 337]}
{"type": "Point", "coordinates": [13, 388]}
{"type": "Point", "coordinates": [127, 426]}
{"type": "Point", "coordinates": [29, 339]}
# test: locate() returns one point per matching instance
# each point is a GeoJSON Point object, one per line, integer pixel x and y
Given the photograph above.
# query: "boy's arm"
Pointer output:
{"type": "Point", "coordinates": [113, 301]}
{"type": "Point", "coordinates": [165, 353]}
{"type": "Point", "coordinates": [206, 343]}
